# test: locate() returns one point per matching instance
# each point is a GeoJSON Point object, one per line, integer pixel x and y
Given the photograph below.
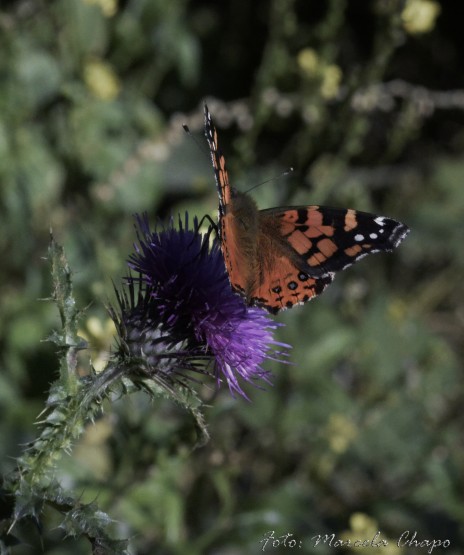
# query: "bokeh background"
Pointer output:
{"type": "Point", "coordinates": [365, 100]}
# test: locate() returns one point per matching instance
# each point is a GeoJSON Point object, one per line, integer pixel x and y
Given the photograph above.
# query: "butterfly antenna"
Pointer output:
{"type": "Point", "coordinates": [287, 172]}
{"type": "Point", "coordinates": [201, 145]}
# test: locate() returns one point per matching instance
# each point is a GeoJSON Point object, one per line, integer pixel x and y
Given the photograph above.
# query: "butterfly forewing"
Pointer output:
{"type": "Point", "coordinates": [326, 240]}
{"type": "Point", "coordinates": [219, 163]}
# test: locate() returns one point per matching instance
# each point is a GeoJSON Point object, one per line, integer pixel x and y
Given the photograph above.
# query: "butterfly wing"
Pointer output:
{"type": "Point", "coordinates": [301, 248]}
{"type": "Point", "coordinates": [238, 240]}
{"type": "Point", "coordinates": [219, 164]}
{"type": "Point", "coordinates": [280, 282]}
{"type": "Point", "coordinates": [323, 240]}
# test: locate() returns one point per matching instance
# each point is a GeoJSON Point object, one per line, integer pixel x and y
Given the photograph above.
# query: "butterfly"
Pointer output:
{"type": "Point", "coordinates": [280, 257]}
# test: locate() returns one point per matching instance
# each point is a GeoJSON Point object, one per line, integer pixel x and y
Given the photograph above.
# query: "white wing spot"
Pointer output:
{"type": "Point", "coordinates": [359, 237]}
{"type": "Point", "coordinates": [379, 220]}
{"type": "Point", "coordinates": [373, 235]}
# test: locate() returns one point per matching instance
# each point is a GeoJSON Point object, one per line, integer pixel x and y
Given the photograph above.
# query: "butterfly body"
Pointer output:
{"type": "Point", "coordinates": [283, 256]}
{"type": "Point", "coordinates": [239, 229]}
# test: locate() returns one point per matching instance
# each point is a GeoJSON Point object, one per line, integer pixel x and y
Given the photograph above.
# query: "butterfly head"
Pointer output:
{"type": "Point", "coordinates": [234, 193]}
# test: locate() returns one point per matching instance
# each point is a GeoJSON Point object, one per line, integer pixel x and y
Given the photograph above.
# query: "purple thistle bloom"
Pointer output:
{"type": "Point", "coordinates": [187, 296]}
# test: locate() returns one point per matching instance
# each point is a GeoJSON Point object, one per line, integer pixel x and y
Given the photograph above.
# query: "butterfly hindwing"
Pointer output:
{"type": "Point", "coordinates": [286, 285]}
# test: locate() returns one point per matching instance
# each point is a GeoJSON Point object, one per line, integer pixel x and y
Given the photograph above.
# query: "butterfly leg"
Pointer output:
{"type": "Point", "coordinates": [211, 222]}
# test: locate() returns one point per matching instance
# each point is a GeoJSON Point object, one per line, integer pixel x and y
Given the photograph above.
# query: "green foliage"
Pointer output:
{"type": "Point", "coordinates": [69, 406]}
{"type": "Point", "coordinates": [363, 431]}
{"type": "Point", "coordinates": [72, 403]}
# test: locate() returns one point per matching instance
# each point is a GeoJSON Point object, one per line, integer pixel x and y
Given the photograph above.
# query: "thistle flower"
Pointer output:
{"type": "Point", "coordinates": [185, 314]}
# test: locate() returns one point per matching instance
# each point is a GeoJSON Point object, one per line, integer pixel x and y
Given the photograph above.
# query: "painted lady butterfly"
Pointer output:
{"type": "Point", "coordinates": [280, 257]}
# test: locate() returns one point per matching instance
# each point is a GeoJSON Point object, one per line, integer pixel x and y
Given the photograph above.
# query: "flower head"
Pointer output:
{"type": "Point", "coordinates": [185, 302]}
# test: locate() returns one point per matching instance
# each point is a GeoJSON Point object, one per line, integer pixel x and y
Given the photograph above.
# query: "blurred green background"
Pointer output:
{"type": "Point", "coordinates": [365, 100]}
